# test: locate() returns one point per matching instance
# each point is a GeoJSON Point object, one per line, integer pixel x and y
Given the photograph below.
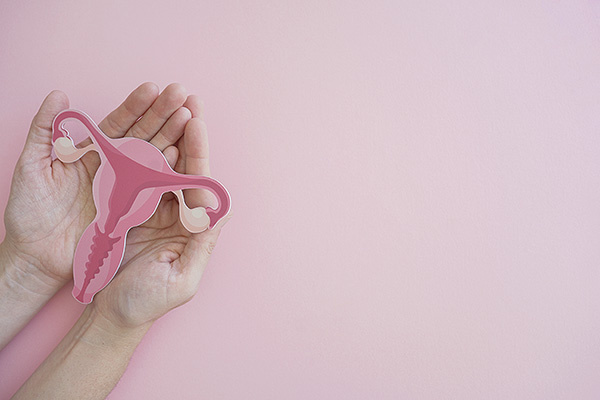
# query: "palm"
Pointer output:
{"type": "Point", "coordinates": [163, 262]}
{"type": "Point", "coordinates": [154, 277]}
{"type": "Point", "coordinates": [47, 212]}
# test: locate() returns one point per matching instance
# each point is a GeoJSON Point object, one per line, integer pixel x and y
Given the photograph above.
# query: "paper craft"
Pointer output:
{"type": "Point", "coordinates": [132, 177]}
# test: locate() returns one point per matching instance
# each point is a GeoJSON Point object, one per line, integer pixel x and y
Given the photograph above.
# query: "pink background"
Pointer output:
{"type": "Point", "coordinates": [415, 187]}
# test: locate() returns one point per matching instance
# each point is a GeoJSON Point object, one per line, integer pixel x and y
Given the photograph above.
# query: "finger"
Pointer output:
{"type": "Point", "coordinates": [39, 140]}
{"type": "Point", "coordinates": [195, 105]}
{"type": "Point", "coordinates": [196, 160]}
{"type": "Point", "coordinates": [197, 108]}
{"type": "Point", "coordinates": [180, 165]}
{"type": "Point", "coordinates": [172, 130]}
{"type": "Point", "coordinates": [171, 154]}
{"type": "Point", "coordinates": [118, 122]}
{"type": "Point", "coordinates": [165, 105]}
{"type": "Point", "coordinates": [198, 250]}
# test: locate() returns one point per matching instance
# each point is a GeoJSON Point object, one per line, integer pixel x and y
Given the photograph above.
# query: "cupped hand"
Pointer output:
{"type": "Point", "coordinates": [163, 262]}
{"type": "Point", "coordinates": [51, 203]}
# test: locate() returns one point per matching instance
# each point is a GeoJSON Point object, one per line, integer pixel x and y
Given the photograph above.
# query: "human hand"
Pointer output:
{"type": "Point", "coordinates": [51, 203]}
{"type": "Point", "coordinates": [161, 269]}
{"type": "Point", "coordinates": [163, 262]}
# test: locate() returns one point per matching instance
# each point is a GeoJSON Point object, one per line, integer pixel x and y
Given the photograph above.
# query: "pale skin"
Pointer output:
{"type": "Point", "coordinates": [50, 205]}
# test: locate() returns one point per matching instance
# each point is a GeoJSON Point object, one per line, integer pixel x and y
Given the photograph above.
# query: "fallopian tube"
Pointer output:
{"type": "Point", "coordinates": [127, 188]}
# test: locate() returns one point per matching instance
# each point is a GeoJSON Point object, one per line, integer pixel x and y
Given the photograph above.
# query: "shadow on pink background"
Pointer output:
{"type": "Point", "coordinates": [416, 190]}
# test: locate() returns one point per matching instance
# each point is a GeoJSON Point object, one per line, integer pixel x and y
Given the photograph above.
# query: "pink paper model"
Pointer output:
{"type": "Point", "coordinates": [127, 188]}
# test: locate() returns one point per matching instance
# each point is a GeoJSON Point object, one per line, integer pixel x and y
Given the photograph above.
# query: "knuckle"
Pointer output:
{"type": "Point", "coordinates": [113, 126]}
{"type": "Point", "coordinates": [138, 131]}
{"type": "Point", "coordinates": [209, 246]}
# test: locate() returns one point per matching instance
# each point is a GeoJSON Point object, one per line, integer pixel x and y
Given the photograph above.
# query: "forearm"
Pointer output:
{"type": "Point", "coordinates": [87, 363]}
{"type": "Point", "coordinates": [23, 292]}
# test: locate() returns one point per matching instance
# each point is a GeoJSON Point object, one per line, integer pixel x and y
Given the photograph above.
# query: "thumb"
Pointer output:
{"type": "Point", "coordinates": [197, 252]}
{"type": "Point", "coordinates": [39, 140]}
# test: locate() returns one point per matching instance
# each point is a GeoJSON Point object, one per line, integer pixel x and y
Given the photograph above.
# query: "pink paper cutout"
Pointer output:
{"type": "Point", "coordinates": [127, 188]}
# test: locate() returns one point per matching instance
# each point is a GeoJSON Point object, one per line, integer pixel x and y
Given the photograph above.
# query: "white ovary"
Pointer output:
{"type": "Point", "coordinates": [194, 220]}
{"type": "Point", "coordinates": [67, 152]}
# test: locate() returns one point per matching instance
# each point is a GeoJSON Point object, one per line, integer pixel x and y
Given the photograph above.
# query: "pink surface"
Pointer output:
{"type": "Point", "coordinates": [128, 186]}
{"type": "Point", "coordinates": [416, 185]}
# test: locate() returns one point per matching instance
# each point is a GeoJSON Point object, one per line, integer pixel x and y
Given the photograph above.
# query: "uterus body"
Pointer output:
{"type": "Point", "coordinates": [127, 188]}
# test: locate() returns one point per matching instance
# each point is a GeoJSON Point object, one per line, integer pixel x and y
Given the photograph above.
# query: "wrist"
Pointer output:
{"type": "Point", "coordinates": [97, 329]}
{"type": "Point", "coordinates": [107, 326]}
{"type": "Point", "coordinates": [23, 292]}
{"type": "Point", "coordinates": [19, 273]}
{"type": "Point", "coordinates": [87, 363]}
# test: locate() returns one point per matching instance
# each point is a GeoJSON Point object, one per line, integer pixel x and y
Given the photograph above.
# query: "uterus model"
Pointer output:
{"type": "Point", "coordinates": [127, 188]}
